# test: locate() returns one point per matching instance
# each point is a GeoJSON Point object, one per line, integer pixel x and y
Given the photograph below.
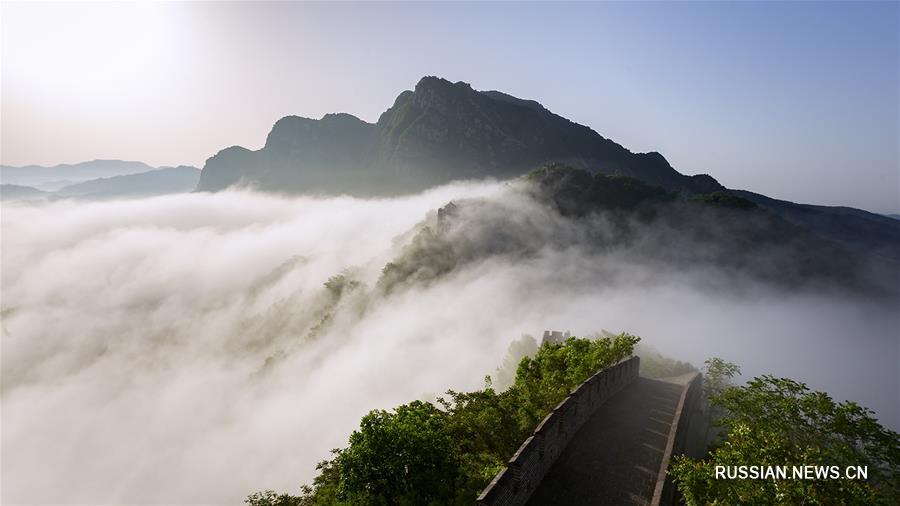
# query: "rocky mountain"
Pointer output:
{"type": "Point", "coordinates": [58, 176]}
{"type": "Point", "coordinates": [878, 234]}
{"type": "Point", "coordinates": [443, 131]}
{"type": "Point", "coordinates": [437, 133]}
{"type": "Point", "coordinates": [618, 217]}
{"type": "Point", "coordinates": [163, 181]}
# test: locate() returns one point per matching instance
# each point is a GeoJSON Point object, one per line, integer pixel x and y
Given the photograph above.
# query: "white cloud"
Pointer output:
{"type": "Point", "coordinates": [137, 333]}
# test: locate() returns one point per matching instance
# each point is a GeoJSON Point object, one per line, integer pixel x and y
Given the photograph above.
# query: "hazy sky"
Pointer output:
{"type": "Point", "coordinates": [795, 100]}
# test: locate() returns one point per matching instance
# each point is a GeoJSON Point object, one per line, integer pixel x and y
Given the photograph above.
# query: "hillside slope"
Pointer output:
{"type": "Point", "coordinates": [180, 179]}
{"type": "Point", "coordinates": [11, 192]}
{"type": "Point", "coordinates": [443, 131]}
{"type": "Point", "coordinates": [617, 218]}
{"type": "Point", "coordinates": [437, 133]}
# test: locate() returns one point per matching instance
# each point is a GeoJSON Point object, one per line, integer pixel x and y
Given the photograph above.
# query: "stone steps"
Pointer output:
{"type": "Point", "coordinates": [615, 457]}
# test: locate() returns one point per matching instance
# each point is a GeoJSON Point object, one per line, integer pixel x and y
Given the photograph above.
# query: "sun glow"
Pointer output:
{"type": "Point", "coordinates": [84, 52]}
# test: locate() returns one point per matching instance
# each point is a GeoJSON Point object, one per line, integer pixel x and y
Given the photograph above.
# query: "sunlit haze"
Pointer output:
{"type": "Point", "coordinates": [760, 96]}
{"type": "Point", "coordinates": [219, 290]}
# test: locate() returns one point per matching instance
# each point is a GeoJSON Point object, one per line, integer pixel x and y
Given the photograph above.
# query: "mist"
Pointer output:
{"type": "Point", "coordinates": [185, 350]}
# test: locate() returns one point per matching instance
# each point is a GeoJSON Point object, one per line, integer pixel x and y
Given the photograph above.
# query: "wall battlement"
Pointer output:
{"type": "Point", "coordinates": [515, 484]}
{"type": "Point", "coordinates": [689, 423]}
{"type": "Point", "coordinates": [555, 336]}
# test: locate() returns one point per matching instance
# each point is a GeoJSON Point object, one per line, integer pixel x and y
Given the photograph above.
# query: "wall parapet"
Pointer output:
{"type": "Point", "coordinates": [533, 460]}
{"type": "Point", "coordinates": [687, 417]}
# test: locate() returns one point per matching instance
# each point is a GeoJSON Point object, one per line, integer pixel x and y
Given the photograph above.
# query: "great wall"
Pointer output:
{"type": "Point", "coordinates": [609, 442]}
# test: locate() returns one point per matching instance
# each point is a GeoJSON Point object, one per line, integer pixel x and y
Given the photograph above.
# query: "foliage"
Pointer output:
{"type": "Point", "coordinates": [578, 192]}
{"type": "Point", "coordinates": [421, 453]}
{"type": "Point", "coordinates": [725, 199]}
{"type": "Point", "coordinates": [427, 256]}
{"type": "Point", "coordinates": [271, 498]}
{"type": "Point", "coordinates": [655, 365]}
{"type": "Point", "coordinates": [337, 285]}
{"type": "Point", "coordinates": [405, 457]}
{"type": "Point", "coordinates": [780, 422]}
{"type": "Point", "coordinates": [544, 380]}
{"type": "Point", "coordinates": [518, 349]}
{"type": "Point", "coordinates": [324, 489]}
{"type": "Point", "coordinates": [717, 375]}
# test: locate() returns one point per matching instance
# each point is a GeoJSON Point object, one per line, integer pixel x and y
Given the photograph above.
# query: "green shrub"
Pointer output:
{"type": "Point", "coordinates": [421, 453]}
{"type": "Point", "coordinates": [725, 199]}
{"type": "Point", "coordinates": [780, 422]}
{"type": "Point", "coordinates": [655, 365]}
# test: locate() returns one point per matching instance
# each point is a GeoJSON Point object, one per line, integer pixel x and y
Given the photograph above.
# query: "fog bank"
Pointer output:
{"type": "Point", "coordinates": [184, 349]}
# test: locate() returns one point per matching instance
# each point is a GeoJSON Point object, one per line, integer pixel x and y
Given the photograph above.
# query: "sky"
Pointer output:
{"type": "Point", "coordinates": [794, 100]}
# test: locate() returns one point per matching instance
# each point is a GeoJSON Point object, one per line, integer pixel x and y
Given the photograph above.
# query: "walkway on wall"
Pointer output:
{"type": "Point", "coordinates": [615, 457]}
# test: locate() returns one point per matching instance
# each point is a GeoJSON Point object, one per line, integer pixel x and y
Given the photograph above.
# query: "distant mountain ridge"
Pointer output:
{"type": "Point", "coordinates": [163, 181]}
{"type": "Point", "coordinates": [57, 176]}
{"type": "Point", "coordinates": [9, 192]}
{"type": "Point", "coordinates": [443, 131]}
{"type": "Point", "coordinates": [181, 179]}
{"type": "Point", "coordinates": [877, 233]}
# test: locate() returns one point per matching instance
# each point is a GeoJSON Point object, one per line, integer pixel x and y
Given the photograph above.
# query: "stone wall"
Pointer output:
{"type": "Point", "coordinates": [688, 424]}
{"type": "Point", "coordinates": [514, 484]}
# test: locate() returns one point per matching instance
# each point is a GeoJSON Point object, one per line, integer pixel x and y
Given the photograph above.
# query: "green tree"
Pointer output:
{"type": "Point", "coordinates": [488, 429]}
{"type": "Point", "coordinates": [778, 421]}
{"type": "Point", "coordinates": [404, 457]}
{"type": "Point", "coordinates": [655, 365]}
{"type": "Point", "coordinates": [422, 454]}
{"type": "Point", "coordinates": [518, 349]}
{"type": "Point", "coordinates": [718, 375]}
{"type": "Point", "coordinates": [272, 498]}
{"type": "Point", "coordinates": [556, 369]}
{"type": "Point", "coordinates": [725, 199]}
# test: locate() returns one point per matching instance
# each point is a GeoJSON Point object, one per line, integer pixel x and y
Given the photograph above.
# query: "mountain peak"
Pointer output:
{"type": "Point", "coordinates": [438, 132]}
{"type": "Point", "coordinates": [439, 83]}
{"type": "Point", "coordinates": [340, 117]}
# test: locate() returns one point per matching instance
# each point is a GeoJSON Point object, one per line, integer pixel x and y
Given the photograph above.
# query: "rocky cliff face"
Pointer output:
{"type": "Point", "coordinates": [439, 132]}
{"type": "Point", "coordinates": [443, 131]}
{"type": "Point", "coordinates": [471, 134]}
{"type": "Point", "coordinates": [300, 155]}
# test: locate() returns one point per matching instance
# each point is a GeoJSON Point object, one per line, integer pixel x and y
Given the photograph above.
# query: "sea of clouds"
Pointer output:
{"type": "Point", "coordinates": [159, 350]}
